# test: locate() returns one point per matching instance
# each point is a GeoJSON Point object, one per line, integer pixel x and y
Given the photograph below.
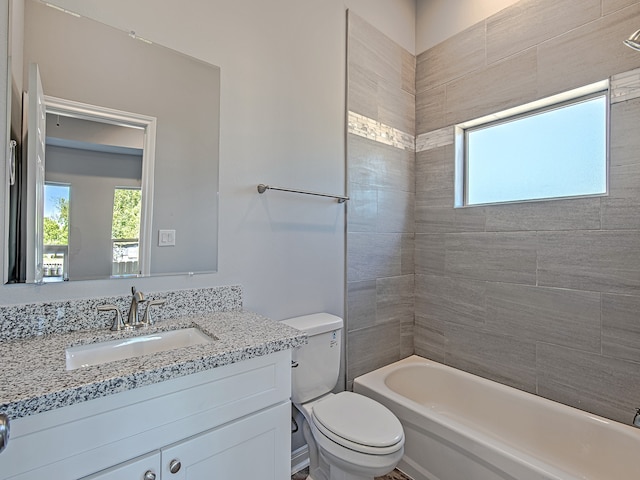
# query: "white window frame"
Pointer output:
{"type": "Point", "coordinates": [555, 101]}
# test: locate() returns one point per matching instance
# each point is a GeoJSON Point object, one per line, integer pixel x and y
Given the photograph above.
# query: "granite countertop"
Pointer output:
{"type": "Point", "coordinates": [34, 378]}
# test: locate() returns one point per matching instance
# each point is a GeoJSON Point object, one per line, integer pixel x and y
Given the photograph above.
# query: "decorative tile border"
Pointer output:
{"type": "Point", "coordinates": [379, 132]}
{"type": "Point", "coordinates": [434, 139]}
{"type": "Point", "coordinates": [35, 319]}
{"type": "Point", "coordinates": [625, 86]}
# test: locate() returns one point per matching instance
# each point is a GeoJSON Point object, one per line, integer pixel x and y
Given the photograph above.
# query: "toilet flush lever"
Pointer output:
{"type": "Point", "coordinates": [294, 364]}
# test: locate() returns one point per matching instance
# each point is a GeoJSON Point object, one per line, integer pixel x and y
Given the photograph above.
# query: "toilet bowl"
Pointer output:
{"type": "Point", "coordinates": [355, 437]}
{"type": "Point", "coordinates": [350, 436]}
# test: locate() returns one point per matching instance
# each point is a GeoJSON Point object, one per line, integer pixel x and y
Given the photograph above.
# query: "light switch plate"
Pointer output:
{"type": "Point", "coordinates": [166, 238]}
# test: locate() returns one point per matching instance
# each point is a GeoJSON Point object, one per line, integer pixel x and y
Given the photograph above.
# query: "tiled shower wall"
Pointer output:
{"type": "Point", "coordinates": [380, 215]}
{"type": "Point", "coordinates": [543, 296]}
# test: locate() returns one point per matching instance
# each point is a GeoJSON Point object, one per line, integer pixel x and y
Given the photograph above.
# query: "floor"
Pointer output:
{"type": "Point", "coordinates": [395, 475]}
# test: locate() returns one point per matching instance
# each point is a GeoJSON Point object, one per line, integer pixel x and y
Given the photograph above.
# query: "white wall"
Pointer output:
{"type": "Point", "coordinates": [437, 20]}
{"type": "Point", "coordinates": [282, 122]}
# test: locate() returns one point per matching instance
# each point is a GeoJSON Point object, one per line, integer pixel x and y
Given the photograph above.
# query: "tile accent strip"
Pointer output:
{"type": "Point", "coordinates": [625, 86]}
{"type": "Point", "coordinates": [379, 132]}
{"type": "Point", "coordinates": [434, 139]}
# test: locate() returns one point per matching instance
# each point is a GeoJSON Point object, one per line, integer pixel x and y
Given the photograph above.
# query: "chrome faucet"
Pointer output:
{"type": "Point", "coordinates": [118, 324]}
{"type": "Point", "coordinates": [133, 318]}
{"type": "Point", "coordinates": [636, 419]}
{"type": "Point", "coordinates": [147, 319]}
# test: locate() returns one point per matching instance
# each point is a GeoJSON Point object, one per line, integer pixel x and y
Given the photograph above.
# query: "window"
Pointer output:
{"type": "Point", "coordinates": [55, 231]}
{"type": "Point", "coordinates": [125, 231]}
{"type": "Point", "coordinates": [552, 148]}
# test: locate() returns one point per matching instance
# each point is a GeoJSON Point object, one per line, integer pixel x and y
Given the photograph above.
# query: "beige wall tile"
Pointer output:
{"type": "Point", "coordinates": [502, 85]}
{"type": "Point", "coordinates": [361, 305]}
{"type": "Point", "coordinates": [377, 165]}
{"type": "Point", "coordinates": [621, 214]}
{"type": "Point", "coordinates": [407, 254]}
{"type": "Point", "coordinates": [588, 54]}
{"type": "Point", "coordinates": [365, 159]}
{"type": "Point", "coordinates": [624, 145]}
{"type": "Point", "coordinates": [373, 255]}
{"type": "Point", "coordinates": [395, 299]}
{"type": "Point", "coordinates": [448, 219]}
{"type": "Point", "coordinates": [362, 91]}
{"type": "Point", "coordinates": [552, 315]}
{"type": "Point", "coordinates": [407, 347]}
{"type": "Point", "coordinates": [371, 348]}
{"type": "Point", "coordinates": [504, 359]}
{"type": "Point", "coordinates": [377, 98]}
{"type": "Point", "coordinates": [395, 211]}
{"type": "Point", "coordinates": [446, 299]}
{"type": "Point", "coordinates": [429, 341]}
{"type": "Point", "coordinates": [430, 254]}
{"type": "Point", "coordinates": [544, 263]}
{"type": "Point", "coordinates": [362, 208]}
{"type": "Point", "coordinates": [430, 105]}
{"type": "Point", "coordinates": [497, 257]}
{"type": "Point", "coordinates": [435, 175]}
{"type": "Point", "coordinates": [377, 53]}
{"type": "Point", "coordinates": [610, 6]}
{"type": "Point", "coordinates": [625, 86]}
{"type": "Point", "coordinates": [570, 214]}
{"type": "Point", "coordinates": [451, 59]}
{"type": "Point", "coordinates": [621, 326]}
{"type": "Point", "coordinates": [599, 384]}
{"type": "Point", "coordinates": [435, 138]}
{"type": "Point", "coordinates": [530, 22]}
{"type": "Point", "coordinates": [397, 108]}
{"type": "Point", "coordinates": [600, 261]}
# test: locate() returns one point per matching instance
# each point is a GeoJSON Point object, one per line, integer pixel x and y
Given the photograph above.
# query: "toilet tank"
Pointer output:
{"type": "Point", "coordinates": [316, 365]}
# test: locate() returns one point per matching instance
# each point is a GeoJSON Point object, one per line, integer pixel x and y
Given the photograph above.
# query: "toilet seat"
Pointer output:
{"type": "Point", "coordinates": [358, 423]}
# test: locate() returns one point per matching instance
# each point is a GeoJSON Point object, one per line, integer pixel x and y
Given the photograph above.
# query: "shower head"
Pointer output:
{"type": "Point", "coordinates": [633, 41]}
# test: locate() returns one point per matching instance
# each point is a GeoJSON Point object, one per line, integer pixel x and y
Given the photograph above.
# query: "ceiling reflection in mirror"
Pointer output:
{"type": "Point", "coordinates": [81, 60]}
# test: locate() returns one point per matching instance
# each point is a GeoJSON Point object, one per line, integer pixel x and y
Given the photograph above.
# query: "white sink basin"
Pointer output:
{"type": "Point", "coordinates": [104, 352]}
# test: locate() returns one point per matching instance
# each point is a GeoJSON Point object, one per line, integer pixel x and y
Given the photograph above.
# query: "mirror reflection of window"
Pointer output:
{"type": "Point", "coordinates": [56, 232]}
{"type": "Point", "coordinates": [125, 231]}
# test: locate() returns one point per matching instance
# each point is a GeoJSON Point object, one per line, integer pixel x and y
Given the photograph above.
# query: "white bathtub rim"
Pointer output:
{"type": "Point", "coordinates": [494, 450]}
{"type": "Point", "coordinates": [508, 459]}
{"type": "Point", "coordinates": [421, 361]}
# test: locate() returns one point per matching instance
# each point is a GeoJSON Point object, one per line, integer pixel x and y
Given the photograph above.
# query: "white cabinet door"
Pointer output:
{"type": "Point", "coordinates": [257, 446]}
{"type": "Point", "coordinates": [146, 467]}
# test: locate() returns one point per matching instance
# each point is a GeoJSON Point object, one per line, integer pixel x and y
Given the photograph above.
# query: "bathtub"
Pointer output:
{"type": "Point", "coordinates": [462, 427]}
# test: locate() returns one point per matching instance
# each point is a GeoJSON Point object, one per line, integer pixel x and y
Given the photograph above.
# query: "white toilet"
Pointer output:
{"type": "Point", "coordinates": [350, 436]}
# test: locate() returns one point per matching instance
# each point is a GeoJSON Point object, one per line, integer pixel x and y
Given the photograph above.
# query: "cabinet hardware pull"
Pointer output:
{"type": "Point", "coordinates": [149, 475]}
{"type": "Point", "coordinates": [174, 466]}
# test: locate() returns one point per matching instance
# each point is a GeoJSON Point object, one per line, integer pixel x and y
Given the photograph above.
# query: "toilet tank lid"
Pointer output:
{"type": "Point", "coordinates": [315, 323]}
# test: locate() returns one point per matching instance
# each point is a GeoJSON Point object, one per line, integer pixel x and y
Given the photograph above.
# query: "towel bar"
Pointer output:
{"type": "Point", "coordinates": [263, 188]}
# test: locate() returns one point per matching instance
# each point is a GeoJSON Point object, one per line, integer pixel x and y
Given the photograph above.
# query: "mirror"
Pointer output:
{"type": "Point", "coordinates": [83, 61]}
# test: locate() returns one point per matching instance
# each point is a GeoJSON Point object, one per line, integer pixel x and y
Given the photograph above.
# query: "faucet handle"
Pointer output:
{"type": "Point", "coordinates": [118, 324]}
{"type": "Point", "coordinates": [146, 319]}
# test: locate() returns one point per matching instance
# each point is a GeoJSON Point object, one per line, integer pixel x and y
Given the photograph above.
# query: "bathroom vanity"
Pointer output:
{"type": "Point", "coordinates": [215, 410]}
